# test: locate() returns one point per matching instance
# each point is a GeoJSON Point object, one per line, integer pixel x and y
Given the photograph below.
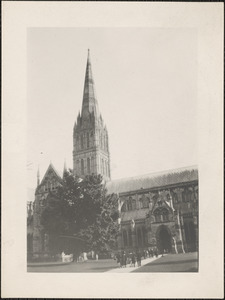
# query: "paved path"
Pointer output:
{"type": "Point", "coordinates": [129, 269]}
{"type": "Point", "coordinates": [184, 262]}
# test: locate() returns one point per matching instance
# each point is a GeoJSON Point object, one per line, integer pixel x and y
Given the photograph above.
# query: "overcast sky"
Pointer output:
{"type": "Point", "coordinates": [146, 86]}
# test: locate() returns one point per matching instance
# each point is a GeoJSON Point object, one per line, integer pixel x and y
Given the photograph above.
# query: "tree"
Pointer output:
{"type": "Point", "coordinates": [83, 208]}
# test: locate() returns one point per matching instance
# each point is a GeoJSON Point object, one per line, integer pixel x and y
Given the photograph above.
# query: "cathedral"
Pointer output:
{"type": "Point", "coordinates": [156, 210]}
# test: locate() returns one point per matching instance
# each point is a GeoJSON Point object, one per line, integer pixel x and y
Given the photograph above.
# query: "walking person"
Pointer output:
{"type": "Point", "coordinates": [124, 259]}
{"type": "Point", "coordinates": [139, 259]}
{"type": "Point", "coordinates": [118, 257]}
{"type": "Point", "coordinates": [133, 259]}
{"type": "Point", "coordinates": [151, 252]}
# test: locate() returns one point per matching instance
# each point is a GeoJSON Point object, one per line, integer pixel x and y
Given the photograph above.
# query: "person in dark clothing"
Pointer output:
{"type": "Point", "coordinates": [124, 259]}
{"type": "Point", "coordinates": [151, 252]}
{"type": "Point", "coordinates": [139, 259]}
{"type": "Point", "coordinates": [133, 259]}
{"type": "Point", "coordinates": [118, 257]}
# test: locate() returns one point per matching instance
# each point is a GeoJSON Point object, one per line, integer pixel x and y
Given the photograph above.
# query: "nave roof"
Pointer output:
{"type": "Point", "coordinates": [153, 180]}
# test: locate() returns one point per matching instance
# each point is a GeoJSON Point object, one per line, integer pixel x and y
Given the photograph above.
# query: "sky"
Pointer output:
{"type": "Point", "coordinates": [146, 86]}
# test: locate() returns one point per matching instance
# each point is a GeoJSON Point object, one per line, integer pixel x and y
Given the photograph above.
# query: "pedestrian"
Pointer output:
{"type": "Point", "coordinates": [118, 257]}
{"type": "Point", "coordinates": [151, 252]}
{"type": "Point", "coordinates": [124, 259]}
{"type": "Point", "coordinates": [133, 259]}
{"type": "Point", "coordinates": [96, 256]}
{"type": "Point", "coordinates": [139, 259]}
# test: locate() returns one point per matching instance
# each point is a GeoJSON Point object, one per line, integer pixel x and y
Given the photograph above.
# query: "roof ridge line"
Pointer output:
{"type": "Point", "coordinates": [188, 168]}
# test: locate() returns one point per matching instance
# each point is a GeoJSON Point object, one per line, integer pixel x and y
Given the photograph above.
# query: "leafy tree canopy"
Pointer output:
{"type": "Point", "coordinates": [84, 209]}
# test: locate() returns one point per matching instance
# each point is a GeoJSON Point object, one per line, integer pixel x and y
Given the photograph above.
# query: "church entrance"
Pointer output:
{"type": "Point", "coordinates": [164, 239]}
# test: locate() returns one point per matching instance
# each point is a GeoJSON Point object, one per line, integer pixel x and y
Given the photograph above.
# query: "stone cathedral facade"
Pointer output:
{"type": "Point", "coordinates": [156, 210]}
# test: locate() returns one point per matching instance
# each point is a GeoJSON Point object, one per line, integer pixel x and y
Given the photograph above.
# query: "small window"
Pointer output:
{"type": "Point", "coordinates": [157, 216]}
{"type": "Point", "coordinates": [88, 165]}
{"type": "Point", "coordinates": [87, 140]}
{"type": "Point", "coordinates": [129, 203]}
{"type": "Point", "coordinates": [141, 202]}
{"type": "Point", "coordinates": [82, 167]}
{"type": "Point", "coordinates": [133, 204]}
{"type": "Point", "coordinates": [82, 141]}
{"type": "Point", "coordinates": [125, 238]}
{"type": "Point", "coordinates": [130, 238]}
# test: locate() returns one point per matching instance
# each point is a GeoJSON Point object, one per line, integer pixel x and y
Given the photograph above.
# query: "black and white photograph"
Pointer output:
{"type": "Point", "coordinates": [126, 199]}
{"type": "Point", "coordinates": [120, 121]}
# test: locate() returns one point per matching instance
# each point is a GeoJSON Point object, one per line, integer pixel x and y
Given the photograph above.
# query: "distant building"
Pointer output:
{"type": "Point", "coordinates": [157, 210]}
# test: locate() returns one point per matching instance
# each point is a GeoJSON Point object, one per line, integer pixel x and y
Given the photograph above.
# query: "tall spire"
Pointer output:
{"type": "Point", "coordinates": [90, 103]}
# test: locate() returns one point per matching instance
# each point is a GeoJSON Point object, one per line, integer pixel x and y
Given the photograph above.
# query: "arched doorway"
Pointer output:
{"type": "Point", "coordinates": [164, 239]}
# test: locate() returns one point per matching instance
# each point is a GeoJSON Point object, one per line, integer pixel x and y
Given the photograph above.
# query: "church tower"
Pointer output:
{"type": "Point", "coordinates": [90, 136]}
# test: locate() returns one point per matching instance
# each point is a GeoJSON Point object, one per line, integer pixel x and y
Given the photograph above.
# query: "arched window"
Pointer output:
{"type": "Point", "coordinates": [100, 140]}
{"type": "Point", "coordinates": [124, 207]}
{"type": "Point", "coordinates": [145, 202]}
{"type": "Point", "coordinates": [183, 195]}
{"type": "Point", "coordinates": [139, 237]}
{"type": "Point", "coordinates": [125, 238]}
{"type": "Point", "coordinates": [81, 141]}
{"type": "Point", "coordinates": [88, 165]}
{"type": "Point", "coordinates": [42, 241]}
{"type": "Point", "coordinates": [87, 140]}
{"type": "Point", "coordinates": [103, 142]}
{"type": "Point", "coordinates": [129, 203]}
{"type": "Point", "coordinates": [77, 141]}
{"type": "Point", "coordinates": [130, 238]}
{"type": "Point", "coordinates": [92, 163]}
{"type": "Point", "coordinates": [144, 236]}
{"type": "Point", "coordinates": [165, 214]}
{"type": "Point", "coordinates": [189, 196]}
{"type": "Point", "coordinates": [82, 167]}
{"type": "Point", "coordinates": [77, 167]}
{"type": "Point", "coordinates": [161, 215]}
{"type": "Point", "coordinates": [175, 198]}
{"type": "Point", "coordinates": [103, 171]}
{"type": "Point", "coordinates": [157, 215]}
{"type": "Point", "coordinates": [106, 168]}
{"type": "Point", "coordinates": [141, 202]}
{"type": "Point", "coordinates": [106, 143]}
{"type": "Point", "coordinates": [133, 204]}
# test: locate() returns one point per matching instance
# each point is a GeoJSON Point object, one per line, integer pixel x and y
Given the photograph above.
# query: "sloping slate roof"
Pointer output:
{"type": "Point", "coordinates": [51, 167]}
{"type": "Point", "coordinates": [153, 180]}
{"type": "Point", "coordinates": [134, 214]}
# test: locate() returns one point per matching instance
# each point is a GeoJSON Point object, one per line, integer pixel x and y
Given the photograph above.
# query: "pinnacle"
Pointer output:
{"type": "Point", "coordinates": [90, 103]}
